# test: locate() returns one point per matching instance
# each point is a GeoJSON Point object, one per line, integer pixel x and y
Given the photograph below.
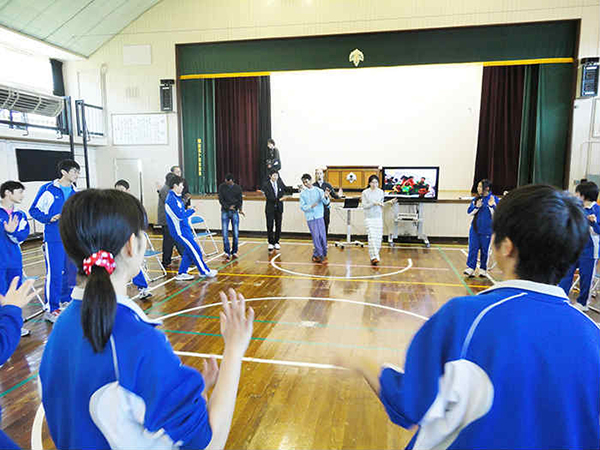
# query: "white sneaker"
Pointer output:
{"type": "Point", "coordinates": [25, 332]}
{"type": "Point", "coordinates": [211, 274]}
{"type": "Point", "coordinates": [582, 308]}
{"type": "Point", "coordinates": [277, 246]}
{"type": "Point", "coordinates": [469, 272]}
{"type": "Point", "coordinates": [52, 316]}
{"type": "Point", "coordinates": [145, 293]}
{"type": "Point", "coordinates": [483, 273]}
{"type": "Point", "coordinates": [184, 277]}
{"type": "Point", "coordinates": [63, 305]}
{"type": "Point", "coordinates": [270, 247]}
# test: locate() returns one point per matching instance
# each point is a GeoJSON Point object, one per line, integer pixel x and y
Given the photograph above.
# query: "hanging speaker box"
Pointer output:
{"type": "Point", "coordinates": [587, 77]}
{"type": "Point", "coordinates": [166, 95]}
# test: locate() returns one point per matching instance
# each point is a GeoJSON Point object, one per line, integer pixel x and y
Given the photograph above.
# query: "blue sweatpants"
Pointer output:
{"type": "Point", "coordinates": [478, 243]}
{"type": "Point", "coordinates": [6, 276]}
{"type": "Point", "coordinates": [61, 275]}
{"type": "Point", "coordinates": [192, 253]}
{"type": "Point", "coordinates": [140, 280]}
{"type": "Point", "coordinates": [587, 271]}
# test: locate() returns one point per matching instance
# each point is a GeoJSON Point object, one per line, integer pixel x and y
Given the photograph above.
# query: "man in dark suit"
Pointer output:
{"type": "Point", "coordinates": [274, 190]}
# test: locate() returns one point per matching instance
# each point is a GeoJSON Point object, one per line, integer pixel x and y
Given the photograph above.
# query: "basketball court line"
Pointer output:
{"type": "Point", "coordinates": [333, 277]}
{"type": "Point", "coordinates": [368, 266]}
{"type": "Point", "coordinates": [323, 299]}
{"type": "Point", "coordinates": [289, 341]}
{"type": "Point", "coordinates": [455, 271]}
{"type": "Point", "coordinates": [292, 277]}
{"type": "Point", "coordinates": [302, 324]}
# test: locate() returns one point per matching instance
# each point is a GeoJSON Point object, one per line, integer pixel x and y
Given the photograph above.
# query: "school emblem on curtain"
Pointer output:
{"type": "Point", "coordinates": [351, 177]}
{"type": "Point", "coordinates": [356, 57]}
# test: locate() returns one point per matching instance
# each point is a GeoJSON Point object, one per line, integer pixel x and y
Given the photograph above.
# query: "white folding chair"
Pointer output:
{"type": "Point", "coordinates": [203, 235]}
{"type": "Point", "coordinates": [152, 253]}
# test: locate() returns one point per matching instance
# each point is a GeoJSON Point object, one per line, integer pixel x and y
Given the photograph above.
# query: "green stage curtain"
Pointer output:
{"type": "Point", "coordinates": [198, 116]}
{"type": "Point", "coordinates": [547, 109]}
{"type": "Point", "coordinates": [528, 128]}
{"type": "Point", "coordinates": [554, 109]}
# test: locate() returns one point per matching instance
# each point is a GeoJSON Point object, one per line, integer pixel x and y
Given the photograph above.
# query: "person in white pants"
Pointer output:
{"type": "Point", "coordinates": [372, 204]}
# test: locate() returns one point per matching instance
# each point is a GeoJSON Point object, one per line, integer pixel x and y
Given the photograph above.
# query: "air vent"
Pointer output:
{"type": "Point", "coordinates": [30, 102]}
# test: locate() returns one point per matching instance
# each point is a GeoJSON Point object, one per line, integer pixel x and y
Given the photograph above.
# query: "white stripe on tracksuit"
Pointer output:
{"type": "Point", "coordinates": [202, 267]}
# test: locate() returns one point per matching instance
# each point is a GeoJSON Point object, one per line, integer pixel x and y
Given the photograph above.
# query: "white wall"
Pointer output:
{"type": "Point", "coordinates": [135, 88]}
{"type": "Point", "coordinates": [416, 115]}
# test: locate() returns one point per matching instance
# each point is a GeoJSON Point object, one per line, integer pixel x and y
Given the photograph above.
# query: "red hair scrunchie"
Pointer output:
{"type": "Point", "coordinates": [101, 259]}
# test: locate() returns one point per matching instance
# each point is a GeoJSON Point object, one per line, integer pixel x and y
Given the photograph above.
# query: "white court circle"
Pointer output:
{"type": "Point", "coordinates": [333, 277]}
{"type": "Point", "coordinates": [38, 421]}
{"type": "Point", "coordinates": [324, 299]}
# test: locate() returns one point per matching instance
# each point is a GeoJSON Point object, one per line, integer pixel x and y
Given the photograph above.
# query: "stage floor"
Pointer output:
{"type": "Point", "coordinates": [306, 314]}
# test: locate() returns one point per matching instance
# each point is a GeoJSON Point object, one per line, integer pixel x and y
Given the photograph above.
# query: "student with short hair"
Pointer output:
{"type": "Point", "coordinates": [230, 198]}
{"type": "Point", "coordinates": [139, 280]}
{"type": "Point", "coordinates": [178, 219]}
{"type": "Point", "coordinates": [274, 190]}
{"type": "Point", "coordinates": [109, 377]}
{"type": "Point", "coordinates": [46, 209]}
{"type": "Point", "coordinates": [587, 192]}
{"type": "Point", "coordinates": [515, 366]}
{"type": "Point", "coordinates": [14, 229]}
{"type": "Point", "coordinates": [325, 186]}
{"type": "Point", "coordinates": [168, 242]}
{"type": "Point", "coordinates": [312, 202]}
{"type": "Point", "coordinates": [480, 234]}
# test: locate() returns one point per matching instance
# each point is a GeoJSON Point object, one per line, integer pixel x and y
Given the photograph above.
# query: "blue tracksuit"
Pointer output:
{"type": "Point", "coordinates": [179, 227]}
{"type": "Point", "coordinates": [60, 271]}
{"type": "Point", "coordinates": [11, 321]}
{"type": "Point", "coordinates": [480, 234]}
{"type": "Point", "coordinates": [140, 280]}
{"type": "Point", "coordinates": [163, 396]}
{"type": "Point", "coordinates": [513, 367]}
{"type": "Point", "coordinates": [587, 260]}
{"type": "Point", "coordinates": [11, 259]}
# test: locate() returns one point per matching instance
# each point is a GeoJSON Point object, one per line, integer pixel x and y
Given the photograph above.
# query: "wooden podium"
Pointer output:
{"type": "Point", "coordinates": [338, 176]}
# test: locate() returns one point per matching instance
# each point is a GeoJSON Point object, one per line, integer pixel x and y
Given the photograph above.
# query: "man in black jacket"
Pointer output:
{"type": "Point", "coordinates": [325, 186]}
{"type": "Point", "coordinates": [230, 198]}
{"type": "Point", "coordinates": [274, 190]}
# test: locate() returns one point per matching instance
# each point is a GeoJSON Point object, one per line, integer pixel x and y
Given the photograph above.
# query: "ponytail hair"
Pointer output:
{"type": "Point", "coordinates": [99, 308]}
{"type": "Point", "coordinates": [91, 221]}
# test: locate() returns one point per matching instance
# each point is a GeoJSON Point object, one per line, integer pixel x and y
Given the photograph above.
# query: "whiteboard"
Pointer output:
{"type": "Point", "coordinates": [139, 129]}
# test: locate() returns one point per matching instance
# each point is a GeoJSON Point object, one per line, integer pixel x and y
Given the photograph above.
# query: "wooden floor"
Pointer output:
{"type": "Point", "coordinates": [306, 315]}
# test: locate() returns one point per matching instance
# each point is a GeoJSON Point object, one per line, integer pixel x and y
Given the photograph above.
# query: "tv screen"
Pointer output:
{"type": "Point", "coordinates": [411, 183]}
{"type": "Point", "coordinates": [39, 165]}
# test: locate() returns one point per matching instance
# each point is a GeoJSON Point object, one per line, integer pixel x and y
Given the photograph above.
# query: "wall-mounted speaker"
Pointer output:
{"type": "Point", "coordinates": [587, 77]}
{"type": "Point", "coordinates": [166, 95]}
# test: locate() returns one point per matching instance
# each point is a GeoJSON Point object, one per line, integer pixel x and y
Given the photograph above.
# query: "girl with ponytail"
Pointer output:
{"type": "Point", "coordinates": [109, 378]}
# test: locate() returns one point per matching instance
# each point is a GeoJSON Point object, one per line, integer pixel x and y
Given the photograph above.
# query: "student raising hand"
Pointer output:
{"type": "Point", "coordinates": [18, 297]}
{"type": "Point", "coordinates": [236, 325]}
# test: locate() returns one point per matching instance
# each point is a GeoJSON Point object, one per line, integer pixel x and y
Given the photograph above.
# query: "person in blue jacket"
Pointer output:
{"type": "Point", "coordinates": [178, 220]}
{"type": "Point", "coordinates": [109, 377]}
{"type": "Point", "coordinates": [480, 234]}
{"type": "Point", "coordinates": [11, 323]}
{"type": "Point", "coordinates": [515, 366]}
{"type": "Point", "coordinates": [139, 280]}
{"type": "Point", "coordinates": [587, 192]}
{"type": "Point", "coordinates": [46, 208]}
{"type": "Point", "coordinates": [14, 229]}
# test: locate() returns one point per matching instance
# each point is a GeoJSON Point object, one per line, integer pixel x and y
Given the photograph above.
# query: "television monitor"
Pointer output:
{"type": "Point", "coordinates": [39, 165]}
{"type": "Point", "coordinates": [411, 183]}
